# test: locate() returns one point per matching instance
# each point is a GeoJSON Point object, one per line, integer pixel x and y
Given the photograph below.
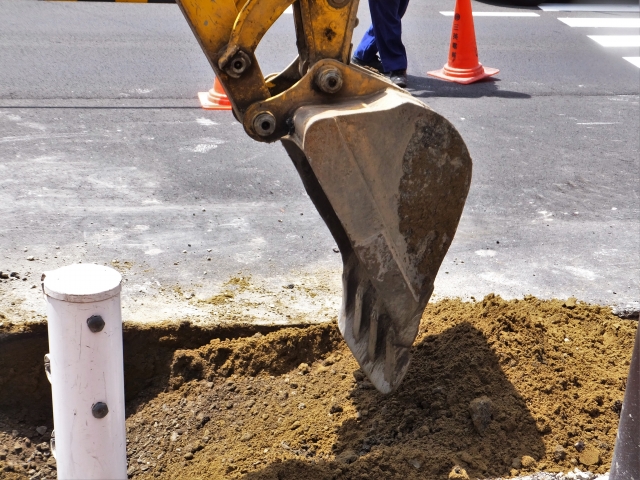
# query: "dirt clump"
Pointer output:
{"type": "Point", "coordinates": [495, 389]}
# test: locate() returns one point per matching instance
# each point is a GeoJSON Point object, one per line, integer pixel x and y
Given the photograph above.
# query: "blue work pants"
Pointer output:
{"type": "Point", "coordinates": [384, 36]}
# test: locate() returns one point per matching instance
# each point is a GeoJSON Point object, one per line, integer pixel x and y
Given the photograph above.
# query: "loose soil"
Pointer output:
{"type": "Point", "coordinates": [495, 388]}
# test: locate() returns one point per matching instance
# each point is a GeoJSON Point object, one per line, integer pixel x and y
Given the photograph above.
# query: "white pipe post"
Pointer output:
{"type": "Point", "coordinates": [86, 371]}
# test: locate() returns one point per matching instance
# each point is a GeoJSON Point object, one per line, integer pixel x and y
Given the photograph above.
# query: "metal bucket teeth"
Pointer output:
{"type": "Point", "coordinates": [390, 177]}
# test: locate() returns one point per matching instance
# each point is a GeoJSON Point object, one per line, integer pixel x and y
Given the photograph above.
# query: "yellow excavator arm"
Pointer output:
{"type": "Point", "coordinates": [388, 175]}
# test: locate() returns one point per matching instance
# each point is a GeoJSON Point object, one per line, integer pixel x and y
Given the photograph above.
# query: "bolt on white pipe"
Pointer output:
{"type": "Point", "coordinates": [86, 371]}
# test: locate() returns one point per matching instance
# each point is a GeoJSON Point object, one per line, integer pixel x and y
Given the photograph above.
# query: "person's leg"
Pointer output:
{"type": "Point", "coordinates": [387, 29]}
{"type": "Point", "coordinates": [402, 7]}
{"type": "Point", "coordinates": [367, 50]}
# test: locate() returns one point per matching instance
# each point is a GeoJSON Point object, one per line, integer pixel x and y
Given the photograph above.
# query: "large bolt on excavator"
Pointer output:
{"type": "Point", "coordinates": [388, 175]}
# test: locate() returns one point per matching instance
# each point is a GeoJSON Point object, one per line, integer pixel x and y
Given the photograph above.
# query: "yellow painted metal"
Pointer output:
{"type": "Point", "coordinates": [253, 21]}
{"type": "Point", "coordinates": [230, 36]}
{"type": "Point", "coordinates": [327, 29]}
{"type": "Point", "coordinates": [212, 23]}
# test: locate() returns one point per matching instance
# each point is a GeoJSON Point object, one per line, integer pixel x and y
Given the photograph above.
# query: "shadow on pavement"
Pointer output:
{"type": "Point", "coordinates": [426, 87]}
{"type": "Point", "coordinates": [426, 427]}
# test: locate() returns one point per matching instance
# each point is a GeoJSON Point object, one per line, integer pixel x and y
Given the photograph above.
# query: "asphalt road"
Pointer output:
{"type": "Point", "coordinates": [105, 154]}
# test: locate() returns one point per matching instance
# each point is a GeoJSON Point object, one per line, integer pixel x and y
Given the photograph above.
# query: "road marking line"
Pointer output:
{"type": "Point", "coordinates": [497, 14]}
{"type": "Point", "coordinates": [561, 7]}
{"type": "Point", "coordinates": [602, 22]}
{"type": "Point", "coordinates": [633, 60]}
{"type": "Point", "coordinates": [598, 123]}
{"type": "Point", "coordinates": [616, 40]}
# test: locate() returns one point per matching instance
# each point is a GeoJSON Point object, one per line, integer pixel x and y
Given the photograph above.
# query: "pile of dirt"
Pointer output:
{"type": "Point", "coordinates": [496, 388]}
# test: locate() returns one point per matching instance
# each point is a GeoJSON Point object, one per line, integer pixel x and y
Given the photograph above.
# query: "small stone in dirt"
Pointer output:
{"type": "Point", "coordinates": [415, 463]}
{"type": "Point", "coordinates": [559, 453]}
{"type": "Point", "coordinates": [17, 448]}
{"type": "Point", "coordinates": [335, 409]}
{"type": "Point", "coordinates": [481, 410]}
{"type": "Point", "coordinates": [295, 425]}
{"type": "Point", "coordinates": [246, 437]}
{"type": "Point", "coordinates": [527, 461]}
{"type": "Point", "coordinates": [194, 448]}
{"type": "Point", "coordinates": [229, 404]}
{"type": "Point", "coordinates": [579, 446]}
{"type": "Point", "coordinates": [188, 456]}
{"type": "Point", "coordinates": [303, 368]}
{"type": "Point", "coordinates": [203, 421]}
{"type": "Point", "coordinates": [3, 454]}
{"type": "Point", "coordinates": [347, 457]}
{"type": "Point", "coordinates": [516, 463]}
{"type": "Point", "coordinates": [174, 436]}
{"type": "Point", "coordinates": [30, 258]}
{"type": "Point", "coordinates": [131, 470]}
{"type": "Point", "coordinates": [590, 456]}
{"type": "Point", "coordinates": [616, 407]}
{"type": "Point", "coordinates": [570, 303]}
{"type": "Point", "coordinates": [458, 473]}
{"type": "Point", "coordinates": [301, 406]}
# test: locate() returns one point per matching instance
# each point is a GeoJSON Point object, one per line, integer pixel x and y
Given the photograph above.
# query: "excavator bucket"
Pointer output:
{"type": "Point", "coordinates": [389, 177]}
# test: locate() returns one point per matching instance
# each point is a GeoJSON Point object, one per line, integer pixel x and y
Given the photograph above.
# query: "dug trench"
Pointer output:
{"type": "Point", "coordinates": [496, 388]}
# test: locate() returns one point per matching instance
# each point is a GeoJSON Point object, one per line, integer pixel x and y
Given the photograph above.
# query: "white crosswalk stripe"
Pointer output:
{"type": "Point", "coordinates": [497, 14]}
{"type": "Point", "coordinates": [601, 22]}
{"type": "Point", "coordinates": [633, 60]}
{"type": "Point", "coordinates": [610, 41]}
{"type": "Point", "coordinates": [563, 7]}
{"type": "Point", "coordinates": [616, 40]}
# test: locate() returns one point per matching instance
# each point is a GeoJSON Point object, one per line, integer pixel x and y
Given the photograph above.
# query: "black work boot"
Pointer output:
{"type": "Point", "coordinates": [399, 77]}
{"type": "Point", "coordinates": [375, 64]}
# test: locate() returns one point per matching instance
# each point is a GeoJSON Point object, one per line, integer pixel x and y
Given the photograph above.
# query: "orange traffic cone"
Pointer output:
{"type": "Point", "coordinates": [216, 98]}
{"type": "Point", "coordinates": [463, 65]}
